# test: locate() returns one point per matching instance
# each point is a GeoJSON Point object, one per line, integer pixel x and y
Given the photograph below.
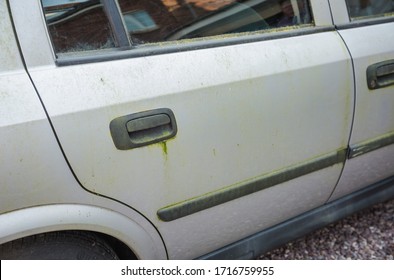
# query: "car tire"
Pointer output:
{"type": "Point", "coordinates": [66, 245]}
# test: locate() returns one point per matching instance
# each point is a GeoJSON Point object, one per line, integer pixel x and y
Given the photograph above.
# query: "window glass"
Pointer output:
{"type": "Point", "coordinates": [152, 21]}
{"type": "Point", "coordinates": [78, 25]}
{"type": "Point", "coordinates": [139, 21]}
{"type": "Point", "coordinates": [84, 25]}
{"type": "Point", "coordinates": [359, 9]}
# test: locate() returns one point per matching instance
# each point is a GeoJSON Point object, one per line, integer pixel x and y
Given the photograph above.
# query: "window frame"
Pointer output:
{"type": "Point", "coordinates": [358, 18]}
{"type": "Point", "coordinates": [36, 31]}
{"type": "Point", "coordinates": [342, 19]}
{"type": "Point", "coordinates": [112, 9]}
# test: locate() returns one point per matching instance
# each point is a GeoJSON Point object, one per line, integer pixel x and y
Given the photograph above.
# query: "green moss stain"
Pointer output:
{"type": "Point", "coordinates": [164, 148]}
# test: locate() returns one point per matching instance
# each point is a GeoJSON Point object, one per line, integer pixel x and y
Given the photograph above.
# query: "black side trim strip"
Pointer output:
{"type": "Point", "coordinates": [264, 241]}
{"type": "Point", "coordinates": [238, 190]}
{"type": "Point", "coordinates": [180, 46]}
{"type": "Point", "coordinates": [371, 145]}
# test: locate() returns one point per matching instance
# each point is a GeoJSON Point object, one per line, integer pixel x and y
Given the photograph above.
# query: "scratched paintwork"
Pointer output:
{"type": "Point", "coordinates": [371, 145]}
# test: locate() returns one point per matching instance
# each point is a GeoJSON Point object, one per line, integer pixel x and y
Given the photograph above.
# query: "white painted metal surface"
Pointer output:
{"type": "Point", "coordinates": [35, 173]}
{"type": "Point", "coordinates": [374, 114]}
{"type": "Point", "coordinates": [365, 170]}
{"type": "Point", "coordinates": [339, 11]}
{"type": "Point", "coordinates": [321, 12]}
{"type": "Point", "coordinates": [9, 56]}
{"type": "Point", "coordinates": [242, 111]}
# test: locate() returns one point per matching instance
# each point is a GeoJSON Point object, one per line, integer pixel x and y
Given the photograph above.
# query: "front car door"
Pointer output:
{"type": "Point", "coordinates": [214, 120]}
{"type": "Point", "coordinates": [367, 30]}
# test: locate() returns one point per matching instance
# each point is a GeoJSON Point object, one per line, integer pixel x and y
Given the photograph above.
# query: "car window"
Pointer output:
{"type": "Point", "coordinates": [359, 9]}
{"type": "Point", "coordinates": [84, 25]}
{"type": "Point", "coordinates": [78, 25]}
{"type": "Point", "coordinates": [152, 21]}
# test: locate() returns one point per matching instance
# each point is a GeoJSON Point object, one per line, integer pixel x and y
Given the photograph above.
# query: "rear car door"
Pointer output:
{"type": "Point", "coordinates": [367, 30]}
{"type": "Point", "coordinates": [214, 119]}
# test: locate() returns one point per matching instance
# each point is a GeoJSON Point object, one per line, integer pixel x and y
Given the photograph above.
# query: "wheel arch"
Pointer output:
{"type": "Point", "coordinates": [144, 243]}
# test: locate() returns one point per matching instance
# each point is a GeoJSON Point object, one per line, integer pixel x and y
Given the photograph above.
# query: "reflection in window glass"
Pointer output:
{"type": "Point", "coordinates": [139, 21]}
{"type": "Point", "coordinates": [152, 21]}
{"type": "Point", "coordinates": [369, 8]}
{"type": "Point", "coordinates": [78, 25]}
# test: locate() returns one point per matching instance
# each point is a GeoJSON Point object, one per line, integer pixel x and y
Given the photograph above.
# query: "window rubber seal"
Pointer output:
{"type": "Point", "coordinates": [204, 43]}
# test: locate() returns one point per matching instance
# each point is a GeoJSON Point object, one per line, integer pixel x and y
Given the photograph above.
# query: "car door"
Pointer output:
{"type": "Point", "coordinates": [367, 31]}
{"type": "Point", "coordinates": [212, 136]}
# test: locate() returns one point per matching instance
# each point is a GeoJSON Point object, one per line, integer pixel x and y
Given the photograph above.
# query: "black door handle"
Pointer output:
{"type": "Point", "coordinates": [380, 74]}
{"type": "Point", "coordinates": [143, 128]}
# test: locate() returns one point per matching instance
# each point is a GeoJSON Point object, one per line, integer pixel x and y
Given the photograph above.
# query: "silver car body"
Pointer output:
{"type": "Point", "coordinates": [269, 126]}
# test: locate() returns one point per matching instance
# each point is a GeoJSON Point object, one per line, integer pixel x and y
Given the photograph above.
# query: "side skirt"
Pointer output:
{"type": "Point", "coordinates": [255, 245]}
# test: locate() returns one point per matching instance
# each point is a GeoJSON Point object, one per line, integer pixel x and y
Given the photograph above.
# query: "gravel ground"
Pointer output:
{"type": "Point", "coordinates": [366, 235]}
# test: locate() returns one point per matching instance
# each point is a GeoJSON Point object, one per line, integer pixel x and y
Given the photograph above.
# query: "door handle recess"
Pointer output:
{"type": "Point", "coordinates": [380, 74]}
{"type": "Point", "coordinates": [143, 128]}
